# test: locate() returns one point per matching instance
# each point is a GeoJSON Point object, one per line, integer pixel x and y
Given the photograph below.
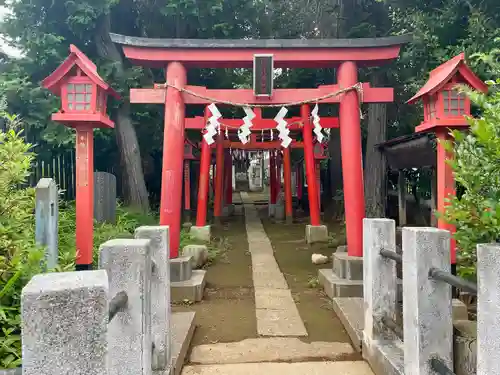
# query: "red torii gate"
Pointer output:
{"type": "Point", "coordinates": [178, 55]}
{"type": "Point", "coordinates": [260, 124]}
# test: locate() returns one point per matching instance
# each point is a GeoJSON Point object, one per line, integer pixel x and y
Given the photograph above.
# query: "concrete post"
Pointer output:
{"type": "Point", "coordinates": [64, 324]}
{"type": "Point", "coordinates": [160, 294]}
{"type": "Point", "coordinates": [128, 263]}
{"type": "Point", "coordinates": [46, 219]}
{"type": "Point", "coordinates": [488, 308]}
{"type": "Point", "coordinates": [427, 313]}
{"type": "Point", "coordinates": [379, 273]}
{"type": "Point", "coordinates": [104, 197]}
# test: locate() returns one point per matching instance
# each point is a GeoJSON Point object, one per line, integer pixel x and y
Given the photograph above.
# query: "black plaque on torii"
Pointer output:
{"type": "Point", "coordinates": [263, 75]}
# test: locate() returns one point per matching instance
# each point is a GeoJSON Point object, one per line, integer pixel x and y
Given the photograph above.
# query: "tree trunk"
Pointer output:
{"type": "Point", "coordinates": [132, 176]}
{"type": "Point", "coordinates": [375, 164]}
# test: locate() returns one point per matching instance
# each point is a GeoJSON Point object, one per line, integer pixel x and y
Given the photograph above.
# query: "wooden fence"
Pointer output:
{"type": "Point", "coordinates": [61, 168]}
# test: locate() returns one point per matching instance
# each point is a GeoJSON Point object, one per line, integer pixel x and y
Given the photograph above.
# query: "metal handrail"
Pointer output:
{"type": "Point", "coordinates": [391, 255]}
{"type": "Point", "coordinates": [393, 326]}
{"type": "Point", "coordinates": [385, 320]}
{"type": "Point", "coordinates": [439, 366]}
{"type": "Point", "coordinates": [457, 282]}
{"type": "Point", "coordinates": [118, 303]}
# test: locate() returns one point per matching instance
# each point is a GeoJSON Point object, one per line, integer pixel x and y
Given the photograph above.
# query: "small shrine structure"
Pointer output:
{"type": "Point", "coordinates": [84, 97]}
{"type": "Point", "coordinates": [446, 108]}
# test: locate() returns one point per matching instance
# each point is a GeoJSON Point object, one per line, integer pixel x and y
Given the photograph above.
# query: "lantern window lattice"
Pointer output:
{"type": "Point", "coordinates": [432, 106]}
{"type": "Point", "coordinates": [79, 96]}
{"type": "Point", "coordinates": [454, 103]}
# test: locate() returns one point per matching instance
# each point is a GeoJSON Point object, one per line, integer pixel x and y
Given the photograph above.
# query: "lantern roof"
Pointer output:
{"type": "Point", "coordinates": [78, 58]}
{"type": "Point", "coordinates": [441, 75]}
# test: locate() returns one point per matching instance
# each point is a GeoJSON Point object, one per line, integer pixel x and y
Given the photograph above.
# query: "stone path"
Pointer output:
{"type": "Point", "coordinates": [270, 368]}
{"type": "Point", "coordinates": [279, 349]}
{"type": "Point", "coordinates": [276, 312]}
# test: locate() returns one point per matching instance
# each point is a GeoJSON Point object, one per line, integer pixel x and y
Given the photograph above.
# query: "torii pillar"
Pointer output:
{"type": "Point", "coordinates": [352, 159]}
{"type": "Point", "coordinates": [219, 178]}
{"type": "Point", "coordinates": [272, 182]}
{"type": "Point", "coordinates": [173, 155]}
{"type": "Point", "coordinates": [202, 231]}
{"type": "Point", "coordinates": [228, 183]}
{"type": "Point", "coordinates": [315, 232]}
{"type": "Point", "coordinates": [287, 176]}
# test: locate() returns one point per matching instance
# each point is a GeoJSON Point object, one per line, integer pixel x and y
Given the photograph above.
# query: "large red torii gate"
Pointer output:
{"type": "Point", "coordinates": [177, 55]}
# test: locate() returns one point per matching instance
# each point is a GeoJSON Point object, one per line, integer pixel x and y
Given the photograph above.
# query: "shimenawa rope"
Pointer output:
{"type": "Point", "coordinates": [358, 87]}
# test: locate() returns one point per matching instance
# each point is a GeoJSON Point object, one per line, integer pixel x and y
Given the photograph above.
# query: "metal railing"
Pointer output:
{"type": "Point", "coordinates": [118, 303]}
{"type": "Point", "coordinates": [391, 255]}
{"type": "Point", "coordinates": [461, 284]}
{"type": "Point", "coordinates": [393, 326]}
{"type": "Point", "coordinates": [439, 366]}
{"type": "Point", "coordinates": [386, 320]}
{"type": "Point", "coordinates": [455, 281]}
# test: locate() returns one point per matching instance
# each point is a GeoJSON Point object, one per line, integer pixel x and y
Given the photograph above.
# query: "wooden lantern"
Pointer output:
{"type": "Point", "coordinates": [444, 105]}
{"type": "Point", "coordinates": [445, 108]}
{"type": "Point", "coordinates": [82, 91]}
{"type": "Point", "coordinates": [83, 96]}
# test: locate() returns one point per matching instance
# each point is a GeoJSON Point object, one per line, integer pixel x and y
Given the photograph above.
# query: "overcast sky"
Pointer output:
{"type": "Point", "coordinates": [8, 50]}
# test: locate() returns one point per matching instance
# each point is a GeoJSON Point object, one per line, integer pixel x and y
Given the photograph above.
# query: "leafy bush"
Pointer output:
{"type": "Point", "coordinates": [127, 220]}
{"type": "Point", "coordinates": [476, 213]}
{"type": "Point", "coordinates": [20, 257]}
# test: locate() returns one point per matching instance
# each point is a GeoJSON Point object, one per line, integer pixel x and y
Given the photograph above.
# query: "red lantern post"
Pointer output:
{"type": "Point", "coordinates": [445, 108]}
{"type": "Point", "coordinates": [83, 96]}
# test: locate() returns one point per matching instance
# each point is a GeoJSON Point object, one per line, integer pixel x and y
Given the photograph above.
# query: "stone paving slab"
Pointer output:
{"type": "Point", "coordinates": [272, 298]}
{"type": "Point", "coordinates": [269, 349]}
{"type": "Point", "coordinates": [277, 299]}
{"type": "Point", "coordinates": [266, 368]}
{"type": "Point", "coordinates": [270, 267]}
{"type": "Point", "coordinates": [351, 314]}
{"type": "Point", "coordinates": [280, 322]}
{"type": "Point", "coordinates": [277, 314]}
{"type": "Point", "coordinates": [269, 282]}
{"type": "Point", "coordinates": [263, 260]}
{"type": "Point", "coordinates": [260, 247]}
{"type": "Point", "coordinates": [267, 273]}
{"type": "Point", "coordinates": [183, 327]}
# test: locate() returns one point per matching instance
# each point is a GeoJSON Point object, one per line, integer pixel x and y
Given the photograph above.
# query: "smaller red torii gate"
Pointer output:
{"type": "Point", "coordinates": [294, 123]}
{"type": "Point", "coordinates": [259, 124]}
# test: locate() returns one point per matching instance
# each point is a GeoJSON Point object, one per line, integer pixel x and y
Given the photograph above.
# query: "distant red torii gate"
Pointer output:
{"type": "Point", "coordinates": [178, 55]}
{"type": "Point", "coordinates": [199, 123]}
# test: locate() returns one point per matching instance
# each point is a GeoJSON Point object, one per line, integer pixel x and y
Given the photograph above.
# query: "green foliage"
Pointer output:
{"type": "Point", "coordinates": [476, 213]}
{"type": "Point", "coordinates": [20, 257]}
{"type": "Point", "coordinates": [127, 220]}
{"type": "Point", "coordinates": [216, 248]}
